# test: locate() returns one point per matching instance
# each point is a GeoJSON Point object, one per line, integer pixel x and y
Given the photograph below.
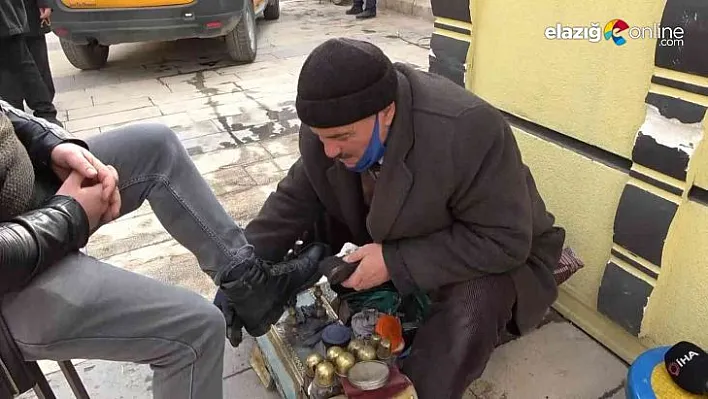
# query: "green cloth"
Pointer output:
{"type": "Point", "coordinates": [410, 309]}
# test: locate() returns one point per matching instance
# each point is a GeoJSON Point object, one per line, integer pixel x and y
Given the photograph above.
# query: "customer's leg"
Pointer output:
{"type": "Point", "coordinates": [453, 346]}
{"type": "Point", "coordinates": [85, 309]}
{"type": "Point", "coordinates": [24, 69]}
{"type": "Point", "coordinates": [153, 165]}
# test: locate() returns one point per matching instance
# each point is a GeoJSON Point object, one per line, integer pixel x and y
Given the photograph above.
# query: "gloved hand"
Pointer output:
{"type": "Point", "coordinates": [233, 323]}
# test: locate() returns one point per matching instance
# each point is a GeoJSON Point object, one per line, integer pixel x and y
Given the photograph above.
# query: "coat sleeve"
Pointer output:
{"type": "Point", "coordinates": [37, 135]}
{"type": "Point", "coordinates": [292, 209]}
{"type": "Point", "coordinates": [490, 205]}
{"type": "Point", "coordinates": [33, 241]}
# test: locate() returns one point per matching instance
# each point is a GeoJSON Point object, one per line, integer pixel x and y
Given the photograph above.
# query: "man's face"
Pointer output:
{"type": "Point", "coordinates": [348, 143]}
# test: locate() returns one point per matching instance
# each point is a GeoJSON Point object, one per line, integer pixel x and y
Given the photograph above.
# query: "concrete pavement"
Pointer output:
{"type": "Point", "coordinates": [239, 124]}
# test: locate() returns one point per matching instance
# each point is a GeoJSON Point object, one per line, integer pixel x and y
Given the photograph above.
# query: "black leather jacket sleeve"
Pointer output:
{"type": "Point", "coordinates": [37, 135]}
{"type": "Point", "coordinates": [33, 241]}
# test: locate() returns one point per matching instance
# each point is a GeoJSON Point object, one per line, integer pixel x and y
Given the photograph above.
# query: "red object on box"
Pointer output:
{"type": "Point", "coordinates": [397, 383]}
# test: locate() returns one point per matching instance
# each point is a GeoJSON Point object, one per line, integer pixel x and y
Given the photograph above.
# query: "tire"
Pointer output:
{"type": "Point", "coordinates": [85, 56]}
{"type": "Point", "coordinates": [272, 10]}
{"type": "Point", "coordinates": [242, 43]}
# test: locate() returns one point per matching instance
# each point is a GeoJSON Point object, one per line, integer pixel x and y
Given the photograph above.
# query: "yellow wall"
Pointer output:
{"type": "Point", "coordinates": [678, 309]}
{"type": "Point", "coordinates": [586, 90]}
{"type": "Point", "coordinates": [699, 163]}
{"type": "Point", "coordinates": [582, 195]}
{"type": "Point", "coordinates": [593, 92]}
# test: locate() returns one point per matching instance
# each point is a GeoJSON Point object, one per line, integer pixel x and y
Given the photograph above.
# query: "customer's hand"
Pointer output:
{"type": "Point", "coordinates": [68, 157]}
{"type": "Point", "coordinates": [371, 271]}
{"type": "Point", "coordinates": [88, 195]}
{"type": "Point", "coordinates": [45, 13]}
{"type": "Point", "coordinates": [234, 325]}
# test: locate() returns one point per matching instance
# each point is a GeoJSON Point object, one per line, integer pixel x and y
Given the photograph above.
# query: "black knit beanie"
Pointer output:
{"type": "Point", "coordinates": [343, 81]}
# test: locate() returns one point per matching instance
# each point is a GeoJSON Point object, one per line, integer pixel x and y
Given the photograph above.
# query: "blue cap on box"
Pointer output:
{"type": "Point", "coordinates": [336, 334]}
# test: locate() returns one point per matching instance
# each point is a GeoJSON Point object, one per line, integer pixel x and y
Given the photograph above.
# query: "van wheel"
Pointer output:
{"type": "Point", "coordinates": [272, 10]}
{"type": "Point", "coordinates": [85, 56]}
{"type": "Point", "coordinates": [241, 42]}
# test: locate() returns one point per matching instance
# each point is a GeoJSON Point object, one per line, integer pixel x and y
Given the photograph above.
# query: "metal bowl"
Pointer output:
{"type": "Point", "coordinates": [344, 362]}
{"type": "Point", "coordinates": [333, 352]}
{"type": "Point", "coordinates": [367, 352]}
{"type": "Point", "coordinates": [355, 345]}
{"type": "Point", "coordinates": [369, 375]}
{"type": "Point", "coordinates": [324, 374]}
{"type": "Point", "coordinates": [312, 360]}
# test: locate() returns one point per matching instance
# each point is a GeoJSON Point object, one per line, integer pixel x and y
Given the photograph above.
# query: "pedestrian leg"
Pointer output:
{"type": "Point", "coordinates": [38, 48]}
{"type": "Point", "coordinates": [24, 69]}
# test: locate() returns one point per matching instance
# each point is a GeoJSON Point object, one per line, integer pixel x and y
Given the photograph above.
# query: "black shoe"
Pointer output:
{"type": "Point", "coordinates": [367, 14]}
{"type": "Point", "coordinates": [260, 294]}
{"type": "Point", "coordinates": [355, 10]}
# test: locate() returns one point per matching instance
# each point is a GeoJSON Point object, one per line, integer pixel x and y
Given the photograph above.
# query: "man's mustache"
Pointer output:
{"type": "Point", "coordinates": [343, 157]}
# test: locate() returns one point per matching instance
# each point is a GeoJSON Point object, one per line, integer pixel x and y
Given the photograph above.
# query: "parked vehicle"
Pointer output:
{"type": "Point", "coordinates": [86, 28]}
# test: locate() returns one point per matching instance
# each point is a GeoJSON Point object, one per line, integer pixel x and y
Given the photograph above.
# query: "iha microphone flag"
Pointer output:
{"type": "Point", "coordinates": [687, 364]}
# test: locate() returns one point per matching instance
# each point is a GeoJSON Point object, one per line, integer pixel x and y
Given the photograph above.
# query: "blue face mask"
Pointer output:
{"type": "Point", "coordinates": [374, 151]}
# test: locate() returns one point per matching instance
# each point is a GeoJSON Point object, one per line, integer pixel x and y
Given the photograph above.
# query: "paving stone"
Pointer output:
{"type": "Point", "coordinates": [214, 101]}
{"type": "Point", "coordinates": [167, 262]}
{"type": "Point", "coordinates": [229, 179]}
{"type": "Point", "coordinates": [242, 112]}
{"type": "Point", "coordinates": [284, 145]}
{"type": "Point", "coordinates": [103, 379]}
{"type": "Point", "coordinates": [201, 81]}
{"type": "Point", "coordinates": [247, 385]}
{"type": "Point", "coordinates": [126, 235]}
{"type": "Point", "coordinates": [72, 99]}
{"type": "Point", "coordinates": [109, 108]}
{"type": "Point", "coordinates": [126, 91]}
{"type": "Point", "coordinates": [286, 161]}
{"type": "Point", "coordinates": [232, 156]}
{"type": "Point", "coordinates": [112, 119]}
{"type": "Point", "coordinates": [208, 143]}
{"type": "Point", "coordinates": [191, 130]}
{"type": "Point", "coordinates": [236, 360]}
{"type": "Point", "coordinates": [170, 98]}
{"type": "Point", "coordinates": [174, 121]}
{"type": "Point", "coordinates": [557, 361]}
{"type": "Point", "coordinates": [265, 172]}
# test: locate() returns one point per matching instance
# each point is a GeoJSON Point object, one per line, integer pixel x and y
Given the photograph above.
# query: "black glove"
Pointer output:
{"type": "Point", "coordinates": [233, 323]}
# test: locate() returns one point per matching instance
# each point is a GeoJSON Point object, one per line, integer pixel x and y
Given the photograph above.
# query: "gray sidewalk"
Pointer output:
{"type": "Point", "coordinates": [239, 125]}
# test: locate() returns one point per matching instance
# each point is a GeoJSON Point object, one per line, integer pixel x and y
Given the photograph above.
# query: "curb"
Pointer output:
{"type": "Point", "coordinates": [416, 8]}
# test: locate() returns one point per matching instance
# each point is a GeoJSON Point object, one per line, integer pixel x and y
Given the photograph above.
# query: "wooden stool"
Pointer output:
{"type": "Point", "coordinates": [18, 376]}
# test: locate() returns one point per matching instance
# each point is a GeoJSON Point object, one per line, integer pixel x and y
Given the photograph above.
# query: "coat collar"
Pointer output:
{"type": "Point", "coordinates": [394, 182]}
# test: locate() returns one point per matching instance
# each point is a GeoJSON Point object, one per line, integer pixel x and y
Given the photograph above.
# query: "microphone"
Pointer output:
{"type": "Point", "coordinates": [687, 365]}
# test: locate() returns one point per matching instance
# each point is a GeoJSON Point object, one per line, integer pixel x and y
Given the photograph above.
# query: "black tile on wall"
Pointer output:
{"type": "Point", "coordinates": [642, 223]}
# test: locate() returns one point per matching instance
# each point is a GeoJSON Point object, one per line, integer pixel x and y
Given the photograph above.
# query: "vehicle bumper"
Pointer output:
{"type": "Point", "coordinates": [199, 19]}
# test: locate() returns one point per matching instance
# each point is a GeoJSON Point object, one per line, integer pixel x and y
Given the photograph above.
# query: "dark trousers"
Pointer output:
{"type": "Point", "coordinates": [25, 74]}
{"type": "Point", "coordinates": [466, 322]}
{"type": "Point", "coordinates": [365, 4]}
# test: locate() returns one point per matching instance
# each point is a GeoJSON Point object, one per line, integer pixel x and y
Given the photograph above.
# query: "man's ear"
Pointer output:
{"type": "Point", "coordinates": [388, 114]}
